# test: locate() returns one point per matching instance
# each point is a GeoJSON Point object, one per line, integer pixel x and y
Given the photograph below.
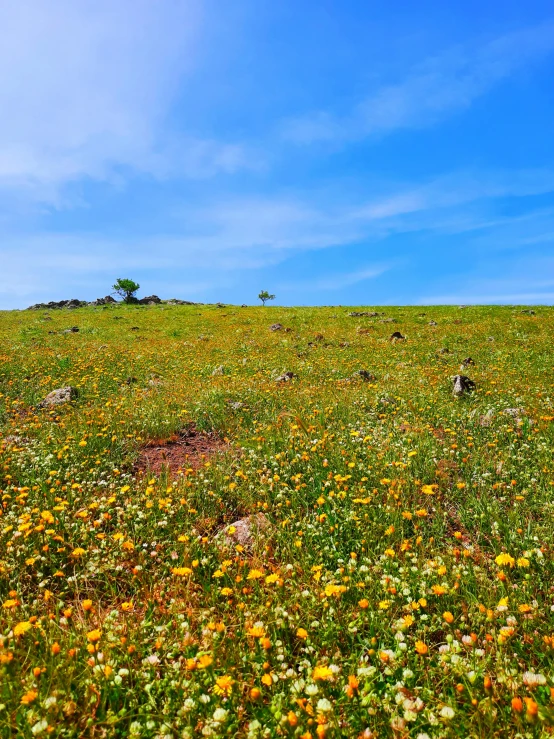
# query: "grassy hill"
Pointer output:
{"type": "Point", "coordinates": [399, 576]}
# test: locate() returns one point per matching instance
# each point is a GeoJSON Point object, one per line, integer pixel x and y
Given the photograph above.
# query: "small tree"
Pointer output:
{"type": "Point", "coordinates": [264, 296]}
{"type": "Point", "coordinates": [126, 289]}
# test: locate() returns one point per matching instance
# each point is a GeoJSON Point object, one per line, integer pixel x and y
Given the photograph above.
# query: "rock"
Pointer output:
{"type": "Point", "coordinates": [53, 305]}
{"type": "Point", "coordinates": [515, 412]}
{"type": "Point", "coordinates": [486, 420]}
{"type": "Point", "coordinates": [529, 312]}
{"type": "Point", "coordinates": [444, 350]}
{"type": "Point", "coordinates": [275, 327]}
{"type": "Point", "coordinates": [462, 385]}
{"type": "Point", "coordinates": [150, 300]}
{"type": "Point", "coordinates": [72, 330]}
{"type": "Point", "coordinates": [467, 362]}
{"type": "Point", "coordinates": [397, 336]}
{"type": "Point", "coordinates": [135, 328]}
{"type": "Point", "coordinates": [388, 320]}
{"type": "Point", "coordinates": [285, 377]}
{"type": "Point", "coordinates": [364, 375]}
{"type": "Point", "coordinates": [490, 338]}
{"type": "Point", "coordinates": [218, 371]}
{"type": "Point", "coordinates": [368, 314]}
{"type": "Point", "coordinates": [432, 323]}
{"type": "Point", "coordinates": [15, 440]}
{"type": "Point", "coordinates": [175, 301]}
{"type": "Point", "coordinates": [59, 396]}
{"type": "Point", "coordinates": [108, 300]}
{"type": "Point", "coordinates": [244, 305]}
{"type": "Point", "coordinates": [246, 531]}
{"type": "Point", "coordinates": [236, 405]}
{"type": "Point", "coordinates": [130, 381]}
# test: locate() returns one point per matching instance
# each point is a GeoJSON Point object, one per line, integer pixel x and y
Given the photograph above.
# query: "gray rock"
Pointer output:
{"type": "Point", "coordinates": [397, 336]}
{"type": "Point", "coordinates": [515, 412]}
{"type": "Point", "coordinates": [218, 370]}
{"type": "Point", "coordinates": [285, 377]}
{"type": "Point", "coordinates": [59, 396]}
{"type": "Point", "coordinates": [433, 323]}
{"type": "Point", "coordinates": [364, 375]}
{"type": "Point", "coordinates": [462, 385]}
{"type": "Point", "coordinates": [246, 531]}
{"type": "Point", "coordinates": [466, 363]}
{"type": "Point", "coordinates": [53, 305]}
{"type": "Point", "coordinates": [150, 300]}
{"type": "Point", "coordinates": [486, 420]}
{"type": "Point", "coordinates": [108, 300]}
{"type": "Point", "coordinates": [368, 314]}
{"type": "Point", "coordinates": [276, 327]}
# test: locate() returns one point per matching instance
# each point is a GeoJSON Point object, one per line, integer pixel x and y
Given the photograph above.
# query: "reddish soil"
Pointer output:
{"type": "Point", "coordinates": [189, 449]}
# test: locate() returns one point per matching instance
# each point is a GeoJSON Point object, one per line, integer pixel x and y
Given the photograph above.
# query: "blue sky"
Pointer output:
{"type": "Point", "coordinates": [344, 152]}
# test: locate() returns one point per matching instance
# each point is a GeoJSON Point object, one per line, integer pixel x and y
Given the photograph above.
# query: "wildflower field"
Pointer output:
{"type": "Point", "coordinates": [402, 583]}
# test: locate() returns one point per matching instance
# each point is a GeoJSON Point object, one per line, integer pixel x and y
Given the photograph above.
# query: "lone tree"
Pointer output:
{"type": "Point", "coordinates": [264, 296]}
{"type": "Point", "coordinates": [126, 289]}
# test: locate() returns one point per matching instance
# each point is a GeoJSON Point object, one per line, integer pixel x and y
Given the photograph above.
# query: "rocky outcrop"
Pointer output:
{"type": "Point", "coordinates": [59, 397]}
{"type": "Point", "coordinates": [462, 385]}
{"type": "Point", "coordinates": [60, 304]}
{"type": "Point", "coordinates": [150, 300]}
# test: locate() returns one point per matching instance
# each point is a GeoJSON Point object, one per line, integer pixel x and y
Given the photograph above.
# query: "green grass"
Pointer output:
{"type": "Point", "coordinates": [405, 587]}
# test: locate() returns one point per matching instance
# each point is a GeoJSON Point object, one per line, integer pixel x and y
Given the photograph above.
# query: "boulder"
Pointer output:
{"type": "Point", "coordinates": [59, 396]}
{"type": "Point", "coordinates": [285, 377]}
{"type": "Point", "coordinates": [462, 385]}
{"type": "Point", "coordinates": [276, 327]}
{"type": "Point", "coordinates": [150, 300]}
{"type": "Point", "coordinates": [515, 412]}
{"type": "Point", "coordinates": [108, 300]}
{"type": "Point", "coordinates": [364, 375]}
{"type": "Point", "coordinates": [397, 336]}
{"type": "Point", "coordinates": [246, 530]}
{"type": "Point", "coordinates": [53, 305]}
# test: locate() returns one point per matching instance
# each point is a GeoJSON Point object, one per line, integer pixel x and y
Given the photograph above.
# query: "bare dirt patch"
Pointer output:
{"type": "Point", "coordinates": [188, 449]}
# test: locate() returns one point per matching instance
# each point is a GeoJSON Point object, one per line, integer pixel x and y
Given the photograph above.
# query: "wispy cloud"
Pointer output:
{"type": "Point", "coordinates": [85, 90]}
{"type": "Point", "coordinates": [246, 234]}
{"type": "Point", "coordinates": [440, 86]}
{"type": "Point", "coordinates": [335, 281]}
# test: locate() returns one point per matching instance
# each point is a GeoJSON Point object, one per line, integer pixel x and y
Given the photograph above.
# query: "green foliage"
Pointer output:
{"type": "Point", "coordinates": [264, 296]}
{"type": "Point", "coordinates": [126, 289]}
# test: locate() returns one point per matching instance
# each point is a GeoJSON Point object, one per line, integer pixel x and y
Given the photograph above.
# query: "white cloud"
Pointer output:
{"type": "Point", "coordinates": [335, 281]}
{"type": "Point", "coordinates": [441, 85]}
{"type": "Point", "coordinates": [85, 89]}
{"type": "Point", "coordinates": [252, 233]}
